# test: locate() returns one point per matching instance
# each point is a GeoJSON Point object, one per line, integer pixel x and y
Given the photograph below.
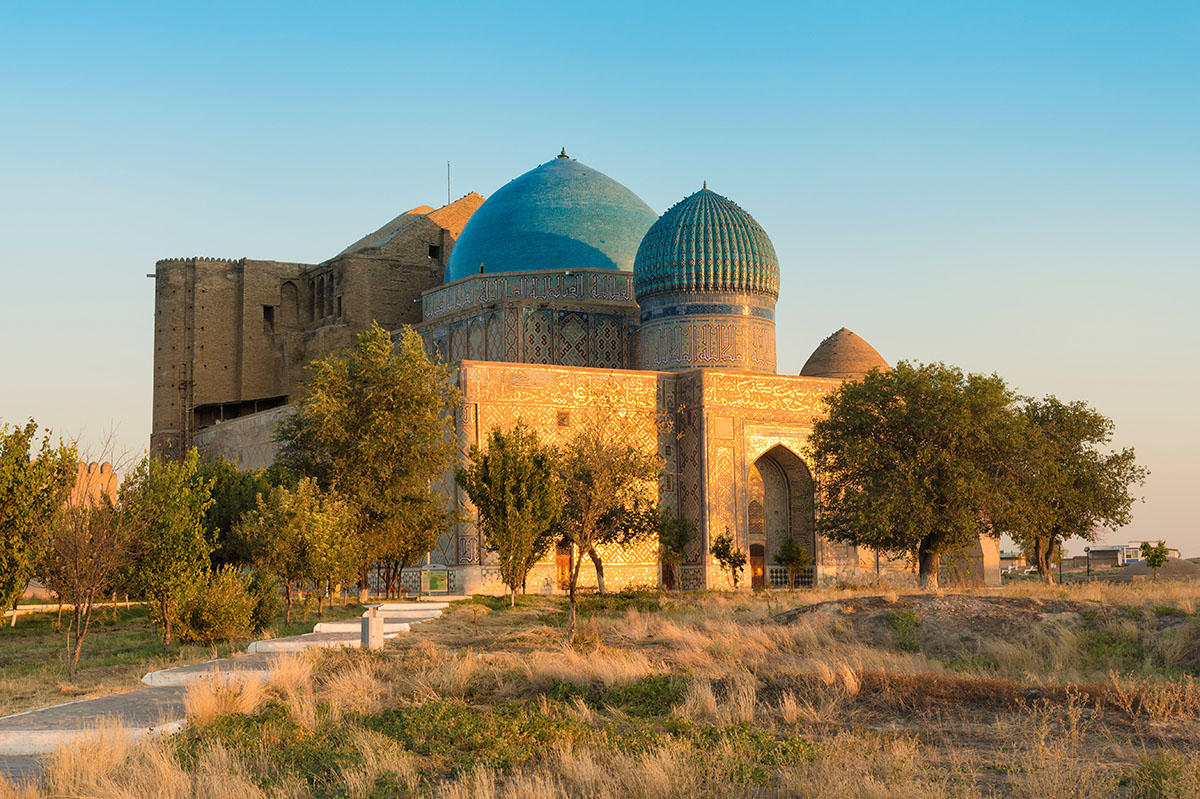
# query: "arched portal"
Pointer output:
{"type": "Point", "coordinates": [779, 499]}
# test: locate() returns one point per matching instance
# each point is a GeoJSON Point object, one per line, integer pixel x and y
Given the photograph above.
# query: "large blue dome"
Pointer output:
{"type": "Point", "coordinates": [561, 215]}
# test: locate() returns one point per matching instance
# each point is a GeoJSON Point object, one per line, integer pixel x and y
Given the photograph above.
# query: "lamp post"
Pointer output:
{"type": "Point", "coordinates": [1088, 557]}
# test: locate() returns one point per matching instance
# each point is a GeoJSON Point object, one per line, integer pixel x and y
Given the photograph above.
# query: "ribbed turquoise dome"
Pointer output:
{"type": "Point", "coordinates": [561, 215]}
{"type": "Point", "coordinates": [705, 243]}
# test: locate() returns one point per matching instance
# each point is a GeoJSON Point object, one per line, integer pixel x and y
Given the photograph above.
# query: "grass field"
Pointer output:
{"type": "Point", "coordinates": [1032, 692]}
{"type": "Point", "coordinates": [121, 646]}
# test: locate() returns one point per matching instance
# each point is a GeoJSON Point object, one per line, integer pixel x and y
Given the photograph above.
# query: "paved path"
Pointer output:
{"type": "Point", "coordinates": [21, 769]}
{"type": "Point", "coordinates": [159, 708]}
{"type": "Point", "coordinates": [236, 667]}
{"type": "Point", "coordinates": [37, 732]}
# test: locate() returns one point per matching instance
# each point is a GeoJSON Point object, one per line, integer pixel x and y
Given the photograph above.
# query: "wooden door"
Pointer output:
{"type": "Point", "coordinates": [758, 566]}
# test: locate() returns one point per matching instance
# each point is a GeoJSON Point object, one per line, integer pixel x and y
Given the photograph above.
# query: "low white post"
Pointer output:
{"type": "Point", "coordinates": [372, 630]}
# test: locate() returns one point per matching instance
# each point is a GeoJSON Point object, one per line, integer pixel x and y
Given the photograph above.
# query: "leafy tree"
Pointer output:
{"type": "Point", "coordinates": [622, 526]}
{"type": "Point", "coordinates": [676, 533]}
{"type": "Point", "coordinates": [915, 460]}
{"type": "Point", "coordinates": [233, 493]}
{"type": "Point", "coordinates": [793, 556]}
{"type": "Point", "coordinates": [87, 547]}
{"type": "Point", "coordinates": [727, 553]}
{"type": "Point", "coordinates": [303, 535]}
{"type": "Point", "coordinates": [1155, 555]}
{"type": "Point", "coordinates": [375, 426]}
{"type": "Point", "coordinates": [169, 499]}
{"type": "Point", "coordinates": [31, 491]}
{"type": "Point", "coordinates": [514, 487]}
{"type": "Point", "coordinates": [607, 476]}
{"type": "Point", "coordinates": [1065, 484]}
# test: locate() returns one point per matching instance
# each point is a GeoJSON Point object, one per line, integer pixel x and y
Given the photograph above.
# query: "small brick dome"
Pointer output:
{"type": "Point", "coordinates": [561, 215]}
{"type": "Point", "coordinates": [706, 243]}
{"type": "Point", "coordinates": [844, 356]}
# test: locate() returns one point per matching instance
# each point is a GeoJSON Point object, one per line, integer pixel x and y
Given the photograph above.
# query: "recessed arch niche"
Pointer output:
{"type": "Point", "coordinates": [779, 501]}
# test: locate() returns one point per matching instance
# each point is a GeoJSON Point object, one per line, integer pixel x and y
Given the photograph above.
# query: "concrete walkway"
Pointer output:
{"type": "Point", "coordinates": [38, 732]}
{"type": "Point", "coordinates": [159, 708]}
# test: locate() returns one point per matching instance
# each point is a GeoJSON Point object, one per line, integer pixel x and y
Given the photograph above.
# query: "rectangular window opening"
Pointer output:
{"type": "Point", "coordinates": [268, 318]}
{"type": "Point", "coordinates": [435, 251]}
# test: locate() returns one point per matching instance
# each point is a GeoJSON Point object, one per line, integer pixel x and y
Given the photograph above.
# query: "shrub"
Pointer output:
{"type": "Point", "coordinates": [215, 609]}
{"type": "Point", "coordinates": [904, 630]}
{"type": "Point", "coordinates": [264, 590]}
{"type": "Point", "coordinates": [652, 695]}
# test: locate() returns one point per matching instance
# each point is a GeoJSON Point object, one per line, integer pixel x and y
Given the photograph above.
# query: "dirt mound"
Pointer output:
{"type": "Point", "coordinates": [944, 627]}
{"type": "Point", "coordinates": [1176, 568]}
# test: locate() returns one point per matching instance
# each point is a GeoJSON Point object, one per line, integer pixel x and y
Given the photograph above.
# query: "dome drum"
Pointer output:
{"type": "Point", "coordinates": [704, 336]}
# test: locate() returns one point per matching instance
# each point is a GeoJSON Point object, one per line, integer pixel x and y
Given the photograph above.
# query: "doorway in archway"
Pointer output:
{"type": "Point", "coordinates": [780, 493]}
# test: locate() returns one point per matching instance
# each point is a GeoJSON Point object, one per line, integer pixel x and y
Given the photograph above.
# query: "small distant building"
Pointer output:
{"type": "Point", "coordinates": [1111, 557]}
{"type": "Point", "coordinates": [1012, 560]}
{"type": "Point", "coordinates": [1118, 555]}
{"type": "Point", "coordinates": [1075, 563]}
{"type": "Point", "coordinates": [1133, 551]}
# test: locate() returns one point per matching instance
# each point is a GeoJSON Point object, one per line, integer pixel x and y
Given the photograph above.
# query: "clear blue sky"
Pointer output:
{"type": "Point", "coordinates": [1011, 187]}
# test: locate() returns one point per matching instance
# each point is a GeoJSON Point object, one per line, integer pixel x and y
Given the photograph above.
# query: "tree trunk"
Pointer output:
{"type": "Point", "coordinates": [1043, 556]}
{"type": "Point", "coordinates": [83, 620]}
{"type": "Point", "coordinates": [513, 598]}
{"type": "Point", "coordinates": [363, 585]}
{"type": "Point", "coordinates": [287, 592]}
{"type": "Point", "coordinates": [929, 558]}
{"type": "Point", "coordinates": [599, 569]}
{"type": "Point", "coordinates": [572, 582]}
{"type": "Point", "coordinates": [166, 611]}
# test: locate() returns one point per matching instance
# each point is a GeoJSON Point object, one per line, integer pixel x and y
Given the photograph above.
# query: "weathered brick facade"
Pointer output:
{"type": "Point", "coordinates": [232, 337]}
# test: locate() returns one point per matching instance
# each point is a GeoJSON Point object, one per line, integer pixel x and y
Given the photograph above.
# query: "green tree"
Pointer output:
{"type": "Point", "coordinates": [234, 492]}
{"type": "Point", "coordinates": [729, 555]}
{"type": "Point", "coordinates": [515, 489]}
{"type": "Point", "coordinates": [304, 535]}
{"type": "Point", "coordinates": [87, 547]}
{"type": "Point", "coordinates": [375, 425]}
{"type": "Point", "coordinates": [1155, 555]}
{"type": "Point", "coordinates": [676, 533]}
{"type": "Point", "coordinates": [1066, 485]}
{"type": "Point", "coordinates": [794, 557]}
{"type": "Point", "coordinates": [915, 460]}
{"type": "Point", "coordinates": [32, 488]}
{"type": "Point", "coordinates": [607, 475]}
{"type": "Point", "coordinates": [169, 499]}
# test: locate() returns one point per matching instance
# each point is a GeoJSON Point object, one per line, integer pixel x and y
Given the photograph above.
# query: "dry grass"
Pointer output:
{"type": "Point", "coordinates": [1020, 721]}
{"type": "Point", "coordinates": [864, 767]}
{"type": "Point", "coordinates": [217, 696]}
{"type": "Point", "coordinates": [109, 764]}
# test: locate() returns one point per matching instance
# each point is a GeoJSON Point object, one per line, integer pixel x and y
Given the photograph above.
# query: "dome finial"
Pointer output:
{"type": "Point", "coordinates": [706, 184]}
{"type": "Point", "coordinates": [563, 154]}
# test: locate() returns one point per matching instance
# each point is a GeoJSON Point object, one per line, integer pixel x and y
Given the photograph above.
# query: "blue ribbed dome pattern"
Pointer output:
{"type": "Point", "coordinates": [706, 243]}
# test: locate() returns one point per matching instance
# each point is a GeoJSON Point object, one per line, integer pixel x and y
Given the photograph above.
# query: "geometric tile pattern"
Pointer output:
{"type": "Point", "coordinates": [476, 341]}
{"type": "Point", "coordinates": [458, 342]}
{"type": "Point", "coordinates": [539, 338]}
{"type": "Point", "coordinates": [495, 346]}
{"type": "Point", "coordinates": [573, 335]}
{"type": "Point", "coordinates": [607, 343]}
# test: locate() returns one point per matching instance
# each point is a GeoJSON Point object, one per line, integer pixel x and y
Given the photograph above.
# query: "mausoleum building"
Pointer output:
{"type": "Point", "coordinates": [564, 283]}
